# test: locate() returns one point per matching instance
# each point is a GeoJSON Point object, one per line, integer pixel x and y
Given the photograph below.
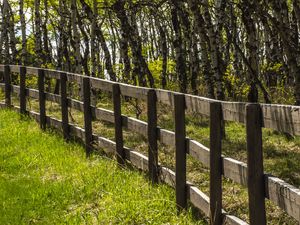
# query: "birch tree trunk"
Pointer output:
{"type": "Point", "coordinates": [215, 54]}
{"type": "Point", "coordinates": [93, 38]}
{"type": "Point", "coordinates": [178, 45]}
{"type": "Point", "coordinates": [23, 31]}
{"type": "Point", "coordinates": [135, 43]}
{"type": "Point", "coordinates": [38, 35]}
{"type": "Point", "coordinates": [76, 36]}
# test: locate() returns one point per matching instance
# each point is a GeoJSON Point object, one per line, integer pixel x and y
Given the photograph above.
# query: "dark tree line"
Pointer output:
{"type": "Point", "coordinates": [240, 50]}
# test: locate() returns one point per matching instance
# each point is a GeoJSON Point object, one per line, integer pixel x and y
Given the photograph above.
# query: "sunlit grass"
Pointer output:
{"type": "Point", "coordinates": [44, 180]}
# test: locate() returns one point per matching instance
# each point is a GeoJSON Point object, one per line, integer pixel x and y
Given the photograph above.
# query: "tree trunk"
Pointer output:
{"type": "Point", "coordinates": [23, 31]}
{"type": "Point", "coordinates": [135, 43]}
{"type": "Point", "coordinates": [215, 54]}
{"type": "Point", "coordinates": [38, 34]}
{"type": "Point", "coordinates": [93, 38]}
{"type": "Point", "coordinates": [178, 45]}
{"type": "Point", "coordinates": [76, 36]}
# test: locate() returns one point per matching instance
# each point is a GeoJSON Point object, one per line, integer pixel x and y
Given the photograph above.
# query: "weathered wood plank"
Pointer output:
{"type": "Point", "coordinates": [200, 105]}
{"type": "Point", "coordinates": [137, 159]}
{"type": "Point", "coordinates": [14, 68]}
{"type": "Point", "coordinates": [101, 84]}
{"type": "Point", "coordinates": [235, 170]}
{"type": "Point", "coordinates": [54, 123]}
{"type": "Point", "coordinates": [152, 135]}
{"type": "Point", "coordinates": [282, 118]}
{"type": "Point", "coordinates": [180, 154]}
{"type": "Point", "coordinates": [42, 98]}
{"type": "Point", "coordinates": [87, 116]}
{"type": "Point", "coordinates": [75, 104]}
{"type": "Point", "coordinates": [165, 97]}
{"type": "Point", "coordinates": [257, 210]}
{"type": "Point", "coordinates": [52, 74]}
{"type": "Point", "coordinates": [166, 137]}
{"type": "Point", "coordinates": [23, 90]}
{"type": "Point", "coordinates": [118, 125]}
{"type": "Point", "coordinates": [53, 97]}
{"type": "Point", "coordinates": [77, 132]}
{"type": "Point", "coordinates": [168, 176]}
{"type": "Point", "coordinates": [215, 186]}
{"type": "Point", "coordinates": [64, 106]}
{"type": "Point", "coordinates": [199, 152]}
{"type": "Point", "coordinates": [73, 77]}
{"type": "Point", "coordinates": [234, 111]}
{"type": "Point", "coordinates": [32, 70]}
{"type": "Point", "coordinates": [233, 220]}
{"type": "Point", "coordinates": [286, 196]}
{"type": "Point", "coordinates": [106, 144]}
{"type": "Point", "coordinates": [32, 93]}
{"type": "Point", "coordinates": [135, 125]}
{"type": "Point", "coordinates": [103, 114]}
{"type": "Point", "coordinates": [7, 81]}
{"type": "Point", "coordinates": [134, 91]}
{"type": "Point", "coordinates": [199, 199]}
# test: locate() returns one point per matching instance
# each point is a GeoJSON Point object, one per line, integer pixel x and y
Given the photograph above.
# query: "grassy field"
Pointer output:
{"type": "Point", "coordinates": [281, 152]}
{"type": "Point", "coordinates": [44, 180]}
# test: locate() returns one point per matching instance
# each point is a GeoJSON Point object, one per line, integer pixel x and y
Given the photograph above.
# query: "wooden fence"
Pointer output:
{"type": "Point", "coordinates": [261, 186]}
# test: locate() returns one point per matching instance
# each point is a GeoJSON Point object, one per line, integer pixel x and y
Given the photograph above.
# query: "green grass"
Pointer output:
{"type": "Point", "coordinates": [281, 153]}
{"type": "Point", "coordinates": [44, 180]}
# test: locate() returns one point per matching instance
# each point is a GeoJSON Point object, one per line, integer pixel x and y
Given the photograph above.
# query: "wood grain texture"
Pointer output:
{"type": "Point", "coordinates": [42, 98]}
{"type": "Point", "coordinates": [23, 90]}
{"type": "Point", "coordinates": [152, 135]}
{"type": "Point", "coordinates": [180, 154]}
{"type": "Point", "coordinates": [279, 117]}
{"type": "Point", "coordinates": [101, 84]}
{"type": "Point", "coordinates": [286, 196]}
{"type": "Point", "coordinates": [257, 210]}
{"type": "Point", "coordinates": [64, 106]}
{"type": "Point", "coordinates": [54, 74]}
{"type": "Point", "coordinates": [87, 116]}
{"type": "Point", "coordinates": [32, 70]}
{"type": "Point", "coordinates": [118, 125]}
{"type": "Point", "coordinates": [14, 68]}
{"type": "Point", "coordinates": [215, 187]}
{"type": "Point", "coordinates": [134, 91]}
{"type": "Point", "coordinates": [7, 81]}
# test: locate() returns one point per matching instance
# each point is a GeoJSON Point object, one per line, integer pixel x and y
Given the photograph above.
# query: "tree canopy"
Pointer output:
{"type": "Point", "coordinates": [229, 50]}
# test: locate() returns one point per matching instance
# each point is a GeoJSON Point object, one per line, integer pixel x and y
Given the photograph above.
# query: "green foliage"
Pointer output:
{"type": "Point", "coordinates": [236, 87]}
{"type": "Point", "coordinates": [156, 69]}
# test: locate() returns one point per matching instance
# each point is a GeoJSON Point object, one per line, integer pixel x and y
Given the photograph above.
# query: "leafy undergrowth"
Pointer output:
{"type": "Point", "coordinates": [44, 180]}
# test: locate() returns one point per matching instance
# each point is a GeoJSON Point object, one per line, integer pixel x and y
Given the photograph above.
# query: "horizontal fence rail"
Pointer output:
{"type": "Point", "coordinates": [278, 117]}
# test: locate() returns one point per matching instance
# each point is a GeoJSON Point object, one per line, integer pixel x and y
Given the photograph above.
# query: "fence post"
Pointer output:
{"type": "Point", "coordinates": [23, 89]}
{"type": "Point", "coordinates": [87, 115]}
{"type": "Point", "coordinates": [7, 80]}
{"type": "Point", "coordinates": [256, 190]}
{"type": "Point", "coordinates": [64, 105]}
{"type": "Point", "coordinates": [215, 163]}
{"type": "Point", "coordinates": [42, 98]}
{"type": "Point", "coordinates": [180, 158]}
{"type": "Point", "coordinates": [152, 135]}
{"type": "Point", "coordinates": [116, 94]}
